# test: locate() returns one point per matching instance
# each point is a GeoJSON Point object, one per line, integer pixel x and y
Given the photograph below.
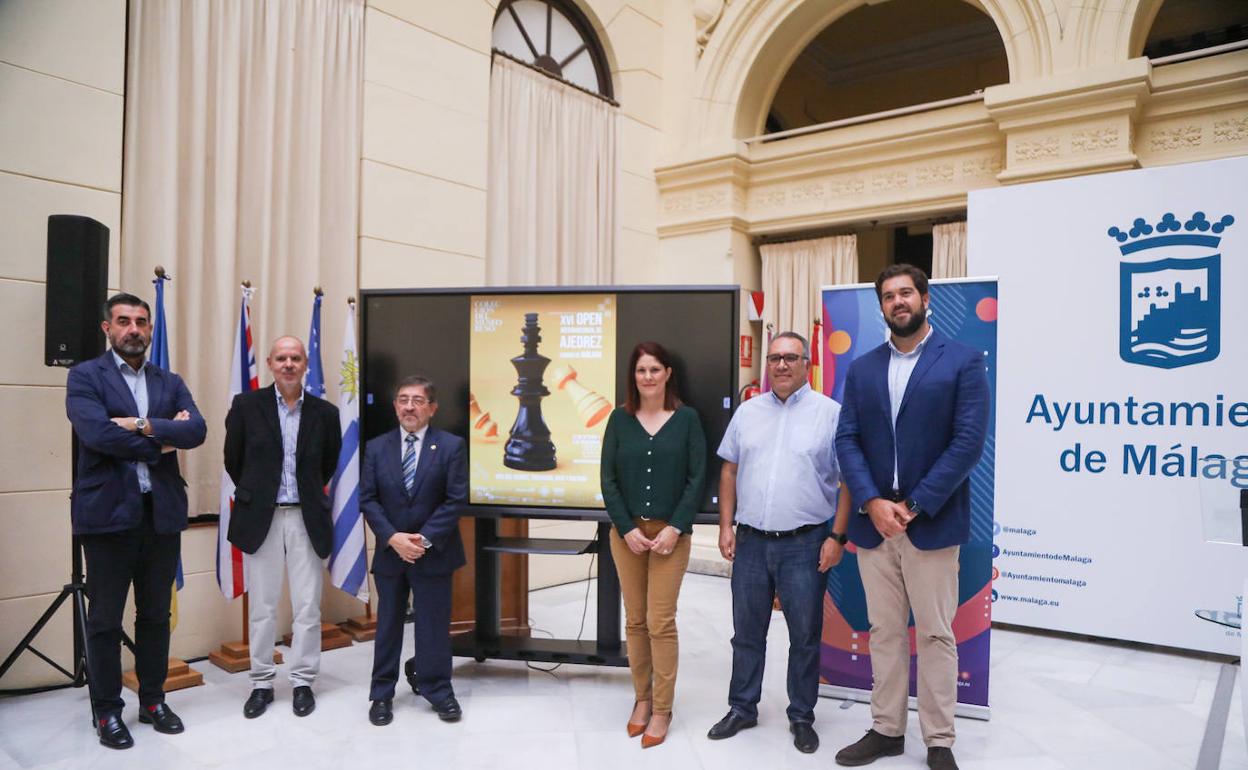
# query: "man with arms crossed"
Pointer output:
{"type": "Point", "coordinates": [413, 488]}
{"type": "Point", "coordinates": [129, 509]}
{"type": "Point", "coordinates": [912, 427]}
{"type": "Point", "coordinates": [779, 479]}
{"type": "Point", "coordinates": [281, 450]}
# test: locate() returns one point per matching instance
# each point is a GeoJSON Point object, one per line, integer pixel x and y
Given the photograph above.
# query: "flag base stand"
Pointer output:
{"type": "Point", "coordinates": [236, 656]}
{"type": "Point", "coordinates": [361, 629]}
{"type": "Point", "coordinates": [180, 677]}
{"type": "Point", "coordinates": [332, 637]}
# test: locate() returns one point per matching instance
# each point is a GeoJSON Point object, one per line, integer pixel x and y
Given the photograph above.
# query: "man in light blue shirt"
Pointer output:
{"type": "Point", "coordinates": [780, 483]}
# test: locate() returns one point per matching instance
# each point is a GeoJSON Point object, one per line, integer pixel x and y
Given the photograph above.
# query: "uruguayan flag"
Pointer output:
{"type": "Point", "coordinates": [348, 563]}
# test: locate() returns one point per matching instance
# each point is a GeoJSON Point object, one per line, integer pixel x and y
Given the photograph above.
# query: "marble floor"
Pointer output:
{"type": "Point", "coordinates": [1056, 703]}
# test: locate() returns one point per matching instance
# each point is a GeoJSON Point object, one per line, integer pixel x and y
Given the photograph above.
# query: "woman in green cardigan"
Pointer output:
{"type": "Point", "coordinates": [653, 476]}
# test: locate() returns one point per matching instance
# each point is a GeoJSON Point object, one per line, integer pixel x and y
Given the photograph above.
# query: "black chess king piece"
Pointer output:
{"type": "Point", "coordinates": [530, 447]}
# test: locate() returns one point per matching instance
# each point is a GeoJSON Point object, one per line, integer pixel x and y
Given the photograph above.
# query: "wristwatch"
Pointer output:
{"type": "Point", "coordinates": [140, 424]}
{"type": "Point", "coordinates": [913, 506]}
{"type": "Point", "coordinates": [426, 542]}
{"type": "Point", "coordinates": [841, 538]}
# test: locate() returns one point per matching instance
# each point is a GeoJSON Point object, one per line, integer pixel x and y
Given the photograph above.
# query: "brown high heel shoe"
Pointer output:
{"type": "Point", "coordinates": [649, 741]}
{"type": "Point", "coordinates": [636, 728]}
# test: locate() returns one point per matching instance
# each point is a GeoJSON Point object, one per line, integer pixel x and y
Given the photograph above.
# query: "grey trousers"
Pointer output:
{"type": "Point", "coordinates": [287, 545]}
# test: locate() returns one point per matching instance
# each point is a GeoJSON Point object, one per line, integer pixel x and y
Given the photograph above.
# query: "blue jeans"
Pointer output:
{"type": "Point", "coordinates": [787, 567]}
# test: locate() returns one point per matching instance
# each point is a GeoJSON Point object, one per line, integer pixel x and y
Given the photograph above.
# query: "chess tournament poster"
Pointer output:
{"type": "Point", "coordinates": [542, 384]}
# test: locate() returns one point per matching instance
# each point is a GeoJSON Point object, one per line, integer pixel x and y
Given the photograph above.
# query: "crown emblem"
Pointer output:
{"type": "Point", "coordinates": [1141, 234]}
{"type": "Point", "coordinates": [1170, 290]}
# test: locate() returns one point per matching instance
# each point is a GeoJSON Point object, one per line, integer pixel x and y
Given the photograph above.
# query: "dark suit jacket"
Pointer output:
{"type": "Point", "coordinates": [940, 435]}
{"type": "Point", "coordinates": [253, 458]}
{"type": "Point", "coordinates": [432, 509]}
{"type": "Point", "coordinates": [106, 492]}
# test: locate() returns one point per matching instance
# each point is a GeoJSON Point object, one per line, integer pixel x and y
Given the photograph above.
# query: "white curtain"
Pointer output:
{"type": "Point", "coordinates": [949, 250]}
{"type": "Point", "coordinates": [552, 178]}
{"type": "Point", "coordinates": [793, 273]}
{"type": "Point", "coordinates": [242, 152]}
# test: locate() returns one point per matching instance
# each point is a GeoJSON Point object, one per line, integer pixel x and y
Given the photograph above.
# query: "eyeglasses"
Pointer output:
{"type": "Point", "coordinates": [789, 358]}
{"type": "Point", "coordinates": [413, 400]}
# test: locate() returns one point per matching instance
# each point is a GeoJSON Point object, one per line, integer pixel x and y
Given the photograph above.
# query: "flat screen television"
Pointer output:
{"type": "Point", "coordinates": [511, 364]}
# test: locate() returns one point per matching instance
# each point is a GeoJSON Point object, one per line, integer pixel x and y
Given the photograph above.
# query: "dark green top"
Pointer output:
{"type": "Point", "coordinates": [659, 477]}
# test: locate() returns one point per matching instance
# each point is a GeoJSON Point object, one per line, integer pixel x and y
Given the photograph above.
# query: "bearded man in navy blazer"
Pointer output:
{"type": "Point", "coordinates": [413, 488]}
{"type": "Point", "coordinates": [913, 423]}
{"type": "Point", "coordinates": [129, 509]}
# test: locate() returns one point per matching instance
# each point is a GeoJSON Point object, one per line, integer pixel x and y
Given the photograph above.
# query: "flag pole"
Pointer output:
{"type": "Point", "coordinates": [246, 600]}
{"type": "Point", "coordinates": [236, 656]}
{"type": "Point", "coordinates": [363, 627]}
{"type": "Point", "coordinates": [368, 603]}
{"type": "Point", "coordinates": [178, 675]}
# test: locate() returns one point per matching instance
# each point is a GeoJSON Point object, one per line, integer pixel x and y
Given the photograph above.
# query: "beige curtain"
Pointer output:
{"type": "Point", "coordinates": [552, 177]}
{"type": "Point", "coordinates": [242, 152]}
{"type": "Point", "coordinates": [793, 274]}
{"type": "Point", "coordinates": [949, 250]}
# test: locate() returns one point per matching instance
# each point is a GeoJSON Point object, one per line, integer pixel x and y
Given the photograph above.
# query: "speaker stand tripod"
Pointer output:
{"type": "Point", "coordinates": [75, 591]}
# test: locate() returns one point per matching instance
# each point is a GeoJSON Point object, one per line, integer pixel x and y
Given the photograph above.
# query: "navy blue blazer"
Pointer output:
{"type": "Point", "coordinates": [940, 434]}
{"type": "Point", "coordinates": [106, 492]}
{"type": "Point", "coordinates": [438, 497]}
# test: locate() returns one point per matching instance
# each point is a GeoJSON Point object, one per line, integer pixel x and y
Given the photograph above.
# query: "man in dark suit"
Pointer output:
{"type": "Point", "coordinates": [129, 509]}
{"type": "Point", "coordinates": [912, 428]}
{"type": "Point", "coordinates": [413, 488]}
{"type": "Point", "coordinates": [281, 450]}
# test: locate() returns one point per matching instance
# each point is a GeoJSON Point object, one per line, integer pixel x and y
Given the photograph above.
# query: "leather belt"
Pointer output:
{"type": "Point", "coordinates": [288, 505]}
{"type": "Point", "coordinates": [779, 534]}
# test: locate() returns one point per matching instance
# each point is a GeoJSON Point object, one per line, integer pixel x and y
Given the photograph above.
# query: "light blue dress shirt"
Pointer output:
{"type": "Point", "coordinates": [288, 491]}
{"type": "Point", "coordinates": [787, 474]}
{"type": "Point", "coordinates": [900, 367]}
{"type": "Point", "coordinates": [137, 382]}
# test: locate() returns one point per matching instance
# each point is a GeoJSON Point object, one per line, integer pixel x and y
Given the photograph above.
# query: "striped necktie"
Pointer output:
{"type": "Point", "coordinates": [409, 462]}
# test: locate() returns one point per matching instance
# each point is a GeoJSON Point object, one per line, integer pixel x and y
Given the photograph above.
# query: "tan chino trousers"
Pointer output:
{"type": "Point", "coordinates": [650, 584]}
{"type": "Point", "coordinates": [898, 579]}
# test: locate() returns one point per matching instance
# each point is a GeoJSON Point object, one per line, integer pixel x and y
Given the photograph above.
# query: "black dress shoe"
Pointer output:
{"type": "Point", "coordinates": [941, 758]}
{"type": "Point", "coordinates": [381, 712]}
{"type": "Point", "coordinates": [730, 726]}
{"type": "Point", "coordinates": [409, 671]}
{"type": "Point", "coordinates": [449, 710]}
{"type": "Point", "coordinates": [160, 716]}
{"type": "Point", "coordinates": [257, 702]}
{"type": "Point", "coordinates": [869, 748]}
{"type": "Point", "coordinates": [304, 702]}
{"type": "Point", "coordinates": [804, 737]}
{"type": "Point", "coordinates": [113, 732]}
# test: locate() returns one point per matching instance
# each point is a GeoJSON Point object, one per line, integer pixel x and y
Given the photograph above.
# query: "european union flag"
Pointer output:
{"type": "Point", "coordinates": [159, 356]}
{"type": "Point", "coordinates": [315, 381]}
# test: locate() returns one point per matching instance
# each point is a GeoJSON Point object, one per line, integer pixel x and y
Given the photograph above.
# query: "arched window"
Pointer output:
{"type": "Point", "coordinates": [1183, 26]}
{"type": "Point", "coordinates": [555, 37]}
{"type": "Point", "coordinates": [886, 56]}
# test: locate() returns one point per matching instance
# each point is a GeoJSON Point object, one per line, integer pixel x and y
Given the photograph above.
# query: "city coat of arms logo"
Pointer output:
{"type": "Point", "coordinates": [1170, 290]}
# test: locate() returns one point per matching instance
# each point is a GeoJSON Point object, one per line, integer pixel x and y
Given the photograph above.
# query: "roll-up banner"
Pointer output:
{"type": "Point", "coordinates": [965, 310]}
{"type": "Point", "coordinates": [1122, 421]}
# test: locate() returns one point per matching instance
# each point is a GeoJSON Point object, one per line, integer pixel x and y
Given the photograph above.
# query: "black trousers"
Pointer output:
{"type": "Point", "coordinates": [431, 627]}
{"type": "Point", "coordinates": [115, 560]}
